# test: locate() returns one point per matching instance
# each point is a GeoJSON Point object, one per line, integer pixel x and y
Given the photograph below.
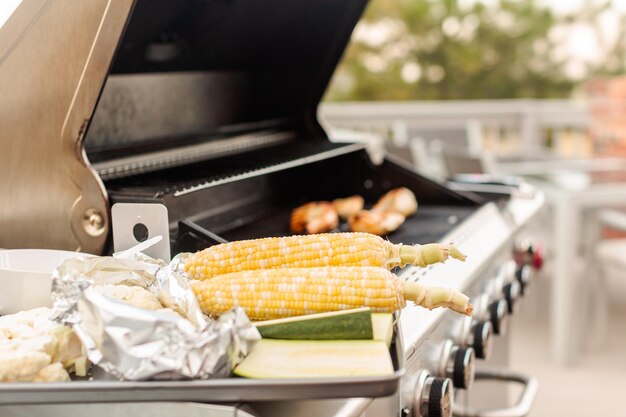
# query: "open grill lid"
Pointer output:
{"type": "Point", "coordinates": [185, 81]}
{"type": "Point", "coordinates": [198, 71]}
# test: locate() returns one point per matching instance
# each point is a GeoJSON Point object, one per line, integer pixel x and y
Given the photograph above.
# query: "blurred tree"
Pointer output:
{"type": "Point", "coordinates": [460, 49]}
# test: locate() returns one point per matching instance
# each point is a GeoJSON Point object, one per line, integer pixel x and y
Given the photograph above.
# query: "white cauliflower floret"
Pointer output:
{"type": "Point", "coordinates": [69, 346]}
{"type": "Point", "coordinates": [133, 295]}
{"type": "Point", "coordinates": [27, 323]}
{"type": "Point", "coordinates": [22, 366]}
{"type": "Point", "coordinates": [47, 344]}
{"type": "Point", "coordinates": [52, 373]}
{"type": "Point", "coordinates": [29, 341]}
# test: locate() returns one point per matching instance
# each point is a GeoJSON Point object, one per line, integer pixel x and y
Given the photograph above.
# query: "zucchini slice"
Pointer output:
{"type": "Point", "coordinates": [337, 325]}
{"type": "Point", "coordinates": [382, 324]}
{"type": "Point", "coordinates": [316, 359]}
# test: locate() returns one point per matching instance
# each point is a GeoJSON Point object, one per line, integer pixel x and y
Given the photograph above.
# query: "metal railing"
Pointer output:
{"type": "Point", "coordinates": [505, 127]}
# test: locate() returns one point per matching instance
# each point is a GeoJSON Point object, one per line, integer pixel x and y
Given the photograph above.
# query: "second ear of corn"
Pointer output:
{"type": "Point", "coordinates": [277, 293]}
{"type": "Point", "coordinates": [334, 249]}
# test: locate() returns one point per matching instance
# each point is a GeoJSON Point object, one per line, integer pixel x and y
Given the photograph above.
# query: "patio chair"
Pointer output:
{"type": "Point", "coordinates": [607, 256]}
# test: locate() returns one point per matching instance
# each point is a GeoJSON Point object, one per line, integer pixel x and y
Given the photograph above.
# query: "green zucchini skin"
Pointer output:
{"type": "Point", "coordinates": [340, 325]}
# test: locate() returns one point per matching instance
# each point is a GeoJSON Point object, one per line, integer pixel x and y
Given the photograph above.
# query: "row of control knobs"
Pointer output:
{"type": "Point", "coordinates": [433, 395]}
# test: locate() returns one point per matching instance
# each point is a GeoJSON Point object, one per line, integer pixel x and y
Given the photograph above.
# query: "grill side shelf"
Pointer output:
{"type": "Point", "coordinates": [212, 390]}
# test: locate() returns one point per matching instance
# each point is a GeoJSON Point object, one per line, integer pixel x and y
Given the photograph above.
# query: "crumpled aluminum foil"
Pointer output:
{"type": "Point", "coordinates": [137, 344]}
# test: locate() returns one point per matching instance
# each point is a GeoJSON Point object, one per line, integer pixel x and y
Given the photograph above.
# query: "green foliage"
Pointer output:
{"type": "Point", "coordinates": [454, 49]}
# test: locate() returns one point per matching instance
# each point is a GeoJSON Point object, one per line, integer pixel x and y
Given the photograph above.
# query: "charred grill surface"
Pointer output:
{"type": "Point", "coordinates": [429, 224]}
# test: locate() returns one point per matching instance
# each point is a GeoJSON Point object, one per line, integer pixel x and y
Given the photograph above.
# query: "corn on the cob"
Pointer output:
{"type": "Point", "coordinates": [277, 293]}
{"type": "Point", "coordinates": [333, 249]}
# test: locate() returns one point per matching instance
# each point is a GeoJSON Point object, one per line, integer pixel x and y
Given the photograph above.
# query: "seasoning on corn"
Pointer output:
{"type": "Point", "coordinates": [277, 293]}
{"type": "Point", "coordinates": [333, 249]}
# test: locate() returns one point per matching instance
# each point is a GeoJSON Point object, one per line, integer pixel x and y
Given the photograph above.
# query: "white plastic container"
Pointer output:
{"type": "Point", "coordinates": [26, 277]}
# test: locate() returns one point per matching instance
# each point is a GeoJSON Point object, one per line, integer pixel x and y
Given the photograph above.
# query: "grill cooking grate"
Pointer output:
{"type": "Point", "coordinates": [429, 224]}
{"type": "Point", "coordinates": [201, 175]}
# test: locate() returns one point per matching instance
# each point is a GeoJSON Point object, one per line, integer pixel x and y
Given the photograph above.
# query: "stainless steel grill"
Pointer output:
{"type": "Point", "coordinates": [208, 108]}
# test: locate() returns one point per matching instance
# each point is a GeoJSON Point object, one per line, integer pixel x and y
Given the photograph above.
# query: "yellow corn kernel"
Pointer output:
{"type": "Point", "coordinates": [276, 293]}
{"type": "Point", "coordinates": [331, 249]}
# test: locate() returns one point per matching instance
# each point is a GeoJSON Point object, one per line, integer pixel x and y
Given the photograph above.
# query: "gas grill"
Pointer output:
{"type": "Point", "coordinates": [208, 109]}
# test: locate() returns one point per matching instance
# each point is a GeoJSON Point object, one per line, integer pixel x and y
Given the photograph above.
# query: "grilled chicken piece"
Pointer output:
{"type": "Point", "coordinates": [346, 207]}
{"type": "Point", "coordinates": [315, 217]}
{"type": "Point", "coordinates": [379, 223]}
{"type": "Point", "coordinates": [400, 200]}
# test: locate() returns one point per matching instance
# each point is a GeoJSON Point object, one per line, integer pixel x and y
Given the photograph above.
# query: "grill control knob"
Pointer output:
{"type": "Point", "coordinates": [433, 397]}
{"type": "Point", "coordinates": [481, 339]}
{"type": "Point", "coordinates": [455, 362]}
{"type": "Point", "coordinates": [523, 275]}
{"type": "Point", "coordinates": [460, 366]}
{"type": "Point", "coordinates": [512, 293]}
{"type": "Point", "coordinates": [537, 257]}
{"type": "Point", "coordinates": [498, 316]}
{"type": "Point", "coordinates": [528, 253]}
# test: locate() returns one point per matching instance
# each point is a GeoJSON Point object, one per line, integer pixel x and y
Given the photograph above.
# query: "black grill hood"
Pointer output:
{"type": "Point", "coordinates": [252, 64]}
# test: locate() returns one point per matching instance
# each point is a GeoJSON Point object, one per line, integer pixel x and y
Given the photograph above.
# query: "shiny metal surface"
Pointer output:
{"type": "Point", "coordinates": [51, 196]}
{"type": "Point", "coordinates": [498, 313]}
{"type": "Point", "coordinates": [512, 295]}
{"type": "Point", "coordinates": [524, 276]}
{"type": "Point", "coordinates": [456, 363]}
{"type": "Point", "coordinates": [481, 339]}
{"type": "Point", "coordinates": [429, 401]}
{"type": "Point", "coordinates": [523, 406]}
{"type": "Point", "coordinates": [492, 306]}
{"type": "Point", "coordinates": [418, 390]}
{"type": "Point", "coordinates": [487, 238]}
{"type": "Point", "coordinates": [352, 407]}
{"type": "Point", "coordinates": [138, 409]}
{"type": "Point", "coordinates": [445, 355]}
{"type": "Point", "coordinates": [460, 367]}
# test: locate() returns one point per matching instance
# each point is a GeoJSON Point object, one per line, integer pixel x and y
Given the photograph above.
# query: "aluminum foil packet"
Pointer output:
{"type": "Point", "coordinates": [132, 343]}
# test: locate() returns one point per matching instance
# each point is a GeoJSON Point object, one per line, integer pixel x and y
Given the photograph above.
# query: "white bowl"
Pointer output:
{"type": "Point", "coordinates": [26, 277]}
